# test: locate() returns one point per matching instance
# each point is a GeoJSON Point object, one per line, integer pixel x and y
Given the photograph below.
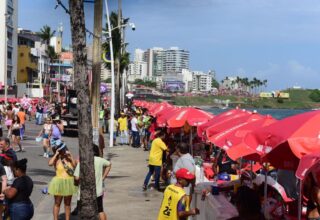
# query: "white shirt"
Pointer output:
{"type": "Point", "coordinates": [15, 110]}
{"type": "Point", "coordinates": [134, 122]}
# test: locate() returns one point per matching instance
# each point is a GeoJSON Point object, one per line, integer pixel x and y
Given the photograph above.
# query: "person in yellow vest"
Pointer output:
{"type": "Point", "coordinates": [174, 204]}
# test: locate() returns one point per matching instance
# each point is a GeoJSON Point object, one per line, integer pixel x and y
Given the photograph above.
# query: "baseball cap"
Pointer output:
{"type": "Point", "coordinates": [183, 173]}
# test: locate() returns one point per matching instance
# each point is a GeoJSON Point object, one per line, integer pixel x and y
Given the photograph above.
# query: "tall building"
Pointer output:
{"type": "Point", "coordinates": [174, 60]}
{"type": "Point", "coordinates": [201, 81]}
{"type": "Point", "coordinates": [8, 41]}
{"type": "Point", "coordinates": [33, 64]}
{"type": "Point", "coordinates": [161, 62]}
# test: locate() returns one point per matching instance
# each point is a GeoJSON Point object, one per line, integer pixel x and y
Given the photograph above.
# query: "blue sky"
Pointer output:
{"type": "Point", "coordinates": [277, 40]}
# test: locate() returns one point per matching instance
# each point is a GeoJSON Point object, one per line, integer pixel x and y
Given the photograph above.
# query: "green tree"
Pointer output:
{"type": "Point", "coordinates": [215, 83]}
{"type": "Point", "coordinates": [315, 95]}
{"type": "Point", "coordinates": [88, 204]}
{"type": "Point", "coordinates": [123, 58]}
{"type": "Point", "coordinates": [46, 34]}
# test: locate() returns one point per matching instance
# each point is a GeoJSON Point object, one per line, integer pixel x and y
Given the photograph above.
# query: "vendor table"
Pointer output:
{"type": "Point", "coordinates": [214, 207]}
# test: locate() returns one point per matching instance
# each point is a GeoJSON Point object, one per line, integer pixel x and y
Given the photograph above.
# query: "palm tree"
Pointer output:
{"type": "Point", "coordinates": [120, 60]}
{"type": "Point", "coordinates": [46, 34]}
{"type": "Point", "coordinates": [88, 207]}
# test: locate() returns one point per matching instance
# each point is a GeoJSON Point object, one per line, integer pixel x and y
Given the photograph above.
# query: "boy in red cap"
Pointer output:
{"type": "Point", "coordinates": [174, 203]}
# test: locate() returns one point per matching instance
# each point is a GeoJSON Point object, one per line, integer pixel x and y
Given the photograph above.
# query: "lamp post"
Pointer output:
{"type": "Point", "coordinates": [7, 16]}
{"type": "Point", "coordinates": [109, 32]}
{"type": "Point", "coordinates": [112, 78]}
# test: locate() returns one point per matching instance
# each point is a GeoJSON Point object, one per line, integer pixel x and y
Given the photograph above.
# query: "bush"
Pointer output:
{"type": "Point", "coordinates": [315, 95]}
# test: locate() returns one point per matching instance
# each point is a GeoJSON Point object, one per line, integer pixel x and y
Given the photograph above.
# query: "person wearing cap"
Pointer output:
{"type": "Point", "coordinates": [123, 128]}
{"type": "Point", "coordinates": [56, 131]}
{"type": "Point", "coordinates": [174, 203]}
{"type": "Point", "coordinates": [135, 131]}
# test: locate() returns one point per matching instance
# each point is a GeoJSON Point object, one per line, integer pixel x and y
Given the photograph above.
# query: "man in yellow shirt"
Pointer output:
{"type": "Point", "coordinates": [123, 128]}
{"type": "Point", "coordinates": [174, 204]}
{"type": "Point", "coordinates": [155, 160]}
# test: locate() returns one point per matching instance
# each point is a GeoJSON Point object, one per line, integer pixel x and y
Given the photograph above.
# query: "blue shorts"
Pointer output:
{"type": "Point", "coordinates": [45, 136]}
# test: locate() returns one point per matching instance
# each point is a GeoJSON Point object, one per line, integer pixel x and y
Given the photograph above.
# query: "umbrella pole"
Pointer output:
{"type": "Point", "coordinates": [190, 140]}
{"type": "Point", "coordinates": [300, 200]}
{"type": "Point", "coordinates": [181, 135]}
{"type": "Point", "coordinates": [265, 189]}
{"type": "Point", "coordinates": [240, 164]}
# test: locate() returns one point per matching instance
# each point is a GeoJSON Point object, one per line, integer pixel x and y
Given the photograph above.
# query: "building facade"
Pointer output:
{"type": "Point", "coordinates": [8, 42]}
{"type": "Point", "coordinates": [201, 82]}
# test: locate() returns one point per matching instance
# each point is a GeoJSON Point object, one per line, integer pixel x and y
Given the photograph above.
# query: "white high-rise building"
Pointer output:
{"type": "Point", "coordinates": [174, 60]}
{"type": "Point", "coordinates": [8, 41]}
{"type": "Point", "coordinates": [201, 81]}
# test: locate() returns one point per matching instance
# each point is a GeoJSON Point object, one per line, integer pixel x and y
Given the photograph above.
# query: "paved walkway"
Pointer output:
{"type": "Point", "coordinates": [124, 198]}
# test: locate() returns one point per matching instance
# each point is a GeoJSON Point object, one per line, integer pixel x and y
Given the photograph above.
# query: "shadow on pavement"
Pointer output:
{"type": "Point", "coordinates": [117, 177]}
{"type": "Point", "coordinates": [41, 172]}
{"type": "Point", "coordinates": [111, 155]}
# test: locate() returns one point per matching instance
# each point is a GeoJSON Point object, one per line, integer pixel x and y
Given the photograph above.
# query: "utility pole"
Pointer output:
{"type": "Point", "coordinates": [96, 70]}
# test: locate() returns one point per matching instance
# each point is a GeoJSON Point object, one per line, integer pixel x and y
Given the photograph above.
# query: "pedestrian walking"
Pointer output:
{"type": "Point", "coordinates": [18, 194]}
{"type": "Point", "coordinates": [39, 112]}
{"type": "Point", "coordinates": [15, 133]}
{"type": "Point", "coordinates": [123, 128]}
{"type": "Point", "coordinates": [135, 131]}
{"type": "Point", "coordinates": [102, 168]}
{"type": "Point", "coordinates": [45, 135]}
{"type": "Point", "coordinates": [57, 129]}
{"type": "Point", "coordinates": [62, 185]}
{"type": "Point", "coordinates": [155, 160]}
{"type": "Point", "coordinates": [22, 116]}
{"type": "Point", "coordinates": [8, 120]}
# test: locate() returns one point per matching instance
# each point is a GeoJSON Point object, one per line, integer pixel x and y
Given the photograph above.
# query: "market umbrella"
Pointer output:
{"type": "Point", "coordinates": [164, 115]}
{"type": "Point", "coordinates": [307, 164]}
{"type": "Point", "coordinates": [220, 118]}
{"type": "Point", "coordinates": [283, 143]}
{"type": "Point", "coordinates": [232, 140]}
{"type": "Point", "coordinates": [192, 116]}
{"type": "Point", "coordinates": [158, 108]}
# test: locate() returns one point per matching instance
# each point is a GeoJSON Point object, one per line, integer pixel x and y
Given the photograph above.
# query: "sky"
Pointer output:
{"type": "Point", "coordinates": [277, 40]}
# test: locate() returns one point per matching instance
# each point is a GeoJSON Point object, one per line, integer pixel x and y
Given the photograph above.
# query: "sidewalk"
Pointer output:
{"type": "Point", "coordinates": [124, 198]}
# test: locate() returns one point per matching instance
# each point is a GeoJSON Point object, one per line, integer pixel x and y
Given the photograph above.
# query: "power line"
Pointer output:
{"type": "Point", "coordinates": [59, 3]}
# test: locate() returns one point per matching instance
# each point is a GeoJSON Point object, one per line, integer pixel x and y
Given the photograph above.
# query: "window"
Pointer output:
{"type": "Point", "coordinates": [21, 54]}
{"type": "Point", "coordinates": [9, 55]}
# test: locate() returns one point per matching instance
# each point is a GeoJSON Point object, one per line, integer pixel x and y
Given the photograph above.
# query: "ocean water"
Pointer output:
{"type": "Point", "coordinates": [276, 113]}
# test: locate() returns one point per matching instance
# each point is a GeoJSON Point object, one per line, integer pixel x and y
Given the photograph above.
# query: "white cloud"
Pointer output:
{"type": "Point", "coordinates": [291, 73]}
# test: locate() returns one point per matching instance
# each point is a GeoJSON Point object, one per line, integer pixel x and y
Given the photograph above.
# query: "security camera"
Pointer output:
{"type": "Point", "coordinates": [132, 25]}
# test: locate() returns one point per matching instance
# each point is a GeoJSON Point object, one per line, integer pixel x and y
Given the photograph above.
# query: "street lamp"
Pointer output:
{"type": "Point", "coordinates": [109, 32]}
{"type": "Point", "coordinates": [7, 17]}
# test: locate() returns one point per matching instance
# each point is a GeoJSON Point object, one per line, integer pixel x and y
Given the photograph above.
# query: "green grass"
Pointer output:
{"type": "Point", "coordinates": [299, 99]}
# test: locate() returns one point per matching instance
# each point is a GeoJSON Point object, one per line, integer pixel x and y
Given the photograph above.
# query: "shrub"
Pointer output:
{"type": "Point", "coordinates": [315, 95]}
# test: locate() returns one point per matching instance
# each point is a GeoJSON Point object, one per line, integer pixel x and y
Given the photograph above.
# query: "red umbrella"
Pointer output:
{"type": "Point", "coordinates": [307, 164]}
{"type": "Point", "coordinates": [233, 139]}
{"type": "Point", "coordinates": [283, 143]}
{"type": "Point", "coordinates": [164, 115]}
{"type": "Point", "coordinates": [221, 118]}
{"type": "Point", "coordinates": [215, 133]}
{"type": "Point", "coordinates": [193, 116]}
{"type": "Point", "coordinates": [158, 108]}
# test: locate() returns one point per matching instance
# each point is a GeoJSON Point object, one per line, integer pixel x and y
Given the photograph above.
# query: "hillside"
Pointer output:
{"type": "Point", "coordinates": [299, 99]}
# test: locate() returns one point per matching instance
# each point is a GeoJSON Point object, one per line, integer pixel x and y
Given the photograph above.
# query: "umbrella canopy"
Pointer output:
{"type": "Point", "coordinates": [158, 108]}
{"type": "Point", "coordinates": [164, 115]}
{"type": "Point", "coordinates": [221, 118]}
{"type": "Point", "coordinates": [192, 116]}
{"type": "Point", "coordinates": [215, 133]}
{"type": "Point", "coordinates": [307, 164]}
{"type": "Point", "coordinates": [233, 139]}
{"type": "Point", "coordinates": [283, 143]}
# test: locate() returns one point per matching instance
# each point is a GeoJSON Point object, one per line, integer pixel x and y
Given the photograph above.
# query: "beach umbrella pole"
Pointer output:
{"type": "Point", "coordinates": [190, 141]}
{"type": "Point", "coordinates": [265, 189]}
{"type": "Point", "coordinates": [300, 200]}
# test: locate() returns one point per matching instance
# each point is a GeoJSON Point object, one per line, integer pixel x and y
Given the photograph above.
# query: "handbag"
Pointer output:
{"type": "Point", "coordinates": [68, 169]}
